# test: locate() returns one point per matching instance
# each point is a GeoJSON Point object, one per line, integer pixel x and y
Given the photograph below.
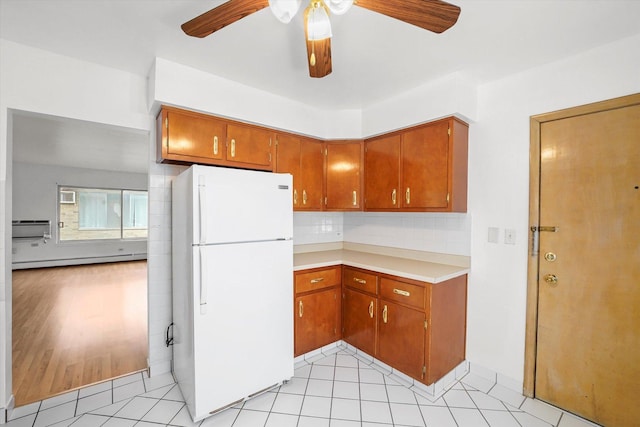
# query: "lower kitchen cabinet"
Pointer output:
{"type": "Point", "coordinates": [418, 328]}
{"type": "Point", "coordinates": [359, 317]}
{"type": "Point", "coordinates": [401, 338]}
{"type": "Point", "coordinates": [317, 308]}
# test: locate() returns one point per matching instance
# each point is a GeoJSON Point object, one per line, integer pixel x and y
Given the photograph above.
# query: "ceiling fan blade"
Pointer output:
{"type": "Point", "coordinates": [318, 53]}
{"type": "Point", "coordinates": [433, 15]}
{"type": "Point", "coordinates": [221, 16]}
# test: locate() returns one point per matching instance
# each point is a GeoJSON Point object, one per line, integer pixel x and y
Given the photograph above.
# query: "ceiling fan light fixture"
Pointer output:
{"type": "Point", "coordinates": [338, 7]}
{"type": "Point", "coordinates": [318, 24]}
{"type": "Point", "coordinates": [284, 10]}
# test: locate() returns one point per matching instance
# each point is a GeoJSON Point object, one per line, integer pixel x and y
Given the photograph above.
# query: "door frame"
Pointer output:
{"type": "Point", "coordinates": [536, 122]}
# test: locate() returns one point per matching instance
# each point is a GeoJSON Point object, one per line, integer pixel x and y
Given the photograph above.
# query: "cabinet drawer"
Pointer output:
{"type": "Point", "coordinates": [403, 293]}
{"type": "Point", "coordinates": [320, 278]}
{"type": "Point", "coordinates": [360, 280]}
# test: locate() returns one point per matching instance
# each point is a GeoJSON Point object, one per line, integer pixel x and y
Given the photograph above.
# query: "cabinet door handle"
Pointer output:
{"type": "Point", "coordinates": [371, 309]}
{"type": "Point", "coordinates": [401, 292]}
{"type": "Point", "coordinates": [407, 195]}
{"type": "Point", "coordinates": [295, 196]}
{"type": "Point", "coordinates": [317, 280]}
{"type": "Point", "coordinates": [233, 148]}
{"type": "Point", "coordinates": [215, 145]}
{"type": "Point", "coordinates": [393, 196]}
{"type": "Point", "coordinates": [355, 198]}
{"type": "Point", "coordinates": [300, 309]}
{"type": "Point", "coordinates": [304, 197]}
{"type": "Point", "coordinates": [384, 314]}
{"type": "Point", "coordinates": [361, 281]}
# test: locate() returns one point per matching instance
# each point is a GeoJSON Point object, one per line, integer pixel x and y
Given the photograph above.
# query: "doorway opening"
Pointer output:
{"type": "Point", "coordinates": [79, 293]}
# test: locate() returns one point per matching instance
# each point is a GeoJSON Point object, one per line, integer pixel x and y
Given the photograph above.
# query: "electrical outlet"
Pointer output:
{"type": "Point", "coordinates": [509, 236]}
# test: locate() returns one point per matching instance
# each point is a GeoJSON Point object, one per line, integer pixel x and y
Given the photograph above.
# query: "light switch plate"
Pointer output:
{"type": "Point", "coordinates": [493, 235]}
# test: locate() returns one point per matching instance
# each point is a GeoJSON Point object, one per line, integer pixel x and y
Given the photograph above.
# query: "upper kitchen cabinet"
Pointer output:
{"type": "Point", "coordinates": [303, 158]}
{"type": "Point", "coordinates": [250, 145]}
{"type": "Point", "coordinates": [382, 173]}
{"type": "Point", "coordinates": [419, 169]}
{"type": "Point", "coordinates": [191, 137]}
{"type": "Point", "coordinates": [343, 175]}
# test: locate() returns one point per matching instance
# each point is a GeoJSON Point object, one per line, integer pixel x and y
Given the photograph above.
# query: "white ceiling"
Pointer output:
{"type": "Point", "coordinates": [49, 140]}
{"type": "Point", "coordinates": [374, 57]}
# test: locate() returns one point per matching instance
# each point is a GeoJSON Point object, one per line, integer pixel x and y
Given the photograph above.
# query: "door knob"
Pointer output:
{"type": "Point", "coordinates": [551, 279]}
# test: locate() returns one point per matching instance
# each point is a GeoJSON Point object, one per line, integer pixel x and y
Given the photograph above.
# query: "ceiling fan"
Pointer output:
{"type": "Point", "coordinates": [433, 15]}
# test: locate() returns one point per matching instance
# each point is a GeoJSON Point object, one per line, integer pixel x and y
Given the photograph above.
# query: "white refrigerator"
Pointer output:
{"type": "Point", "coordinates": [232, 252]}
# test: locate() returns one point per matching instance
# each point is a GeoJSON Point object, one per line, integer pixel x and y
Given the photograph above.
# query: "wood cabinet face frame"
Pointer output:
{"type": "Point", "coordinates": [248, 147]}
{"type": "Point", "coordinates": [431, 171]}
{"type": "Point", "coordinates": [406, 173]}
{"type": "Point", "coordinates": [439, 343]}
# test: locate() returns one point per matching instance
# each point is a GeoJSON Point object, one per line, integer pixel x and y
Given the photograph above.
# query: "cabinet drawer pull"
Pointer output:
{"type": "Point", "coordinates": [295, 197]}
{"type": "Point", "coordinates": [304, 197]}
{"type": "Point", "coordinates": [355, 198]}
{"type": "Point", "coordinates": [384, 314]}
{"type": "Point", "coordinates": [371, 309]}
{"type": "Point", "coordinates": [300, 309]}
{"type": "Point", "coordinates": [407, 195]}
{"type": "Point", "coordinates": [401, 292]}
{"type": "Point", "coordinates": [393, 196]}
{"type": "Point", "coordinates": [318, 280]}
{"type": "Point", "coordinates": [233, 148]}
{"type": "Point", "coordinates": [215, 145]}
{"type": "Point", "coordinates": [361, 281]}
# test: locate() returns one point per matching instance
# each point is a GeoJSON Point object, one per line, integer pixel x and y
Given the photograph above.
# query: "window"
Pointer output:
{"type": "Point", "coordinates": [98, 213]}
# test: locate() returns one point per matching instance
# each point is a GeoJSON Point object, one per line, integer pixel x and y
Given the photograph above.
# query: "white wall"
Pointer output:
{"type": "Point", "coordinates": [38, 81]}
{"type": "Point", "coordinates": [171, 83]}
{"type": "Point", "coordinates": [35, 189]}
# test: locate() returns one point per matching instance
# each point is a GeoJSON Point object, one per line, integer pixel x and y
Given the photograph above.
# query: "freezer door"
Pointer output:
{"type": "Point", "coordinates": [235, 205]}
{"type": "Point", "coordinates": [243, 338]}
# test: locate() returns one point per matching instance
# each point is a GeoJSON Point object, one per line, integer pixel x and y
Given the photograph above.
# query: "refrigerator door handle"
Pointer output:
{"type": "Point", "coordinates": [202, 196]}
{"type": "Point", "coordinates": [203, 285]}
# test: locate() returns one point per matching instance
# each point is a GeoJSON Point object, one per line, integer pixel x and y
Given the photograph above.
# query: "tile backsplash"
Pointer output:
{"type": "Point", "coordinates": [448, 233]}
{"type": "Point", "coordinates": [317, 227]}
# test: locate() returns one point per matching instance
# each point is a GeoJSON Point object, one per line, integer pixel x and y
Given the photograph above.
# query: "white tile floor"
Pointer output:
{"type": "Point", "coordinates": [337, 390]}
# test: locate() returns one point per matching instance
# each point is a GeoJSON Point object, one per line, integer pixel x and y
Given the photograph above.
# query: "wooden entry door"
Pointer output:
{"type": "Point", "coordinates": [587, 359]}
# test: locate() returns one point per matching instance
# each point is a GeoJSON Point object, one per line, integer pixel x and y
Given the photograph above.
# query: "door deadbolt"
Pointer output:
{"type": "Point", "coordinates": [551, 279]}
{"type": "Point", "coordinates": [550, 256]}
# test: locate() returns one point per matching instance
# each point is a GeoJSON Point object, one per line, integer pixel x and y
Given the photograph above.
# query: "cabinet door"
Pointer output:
{"type": "Point", "coordinates": [288, 161]}
{"type": "Point", "coordinates": [343, 178]}
{"type": "Point", "coordinates": [317, 320]}
{"type": "Point", "coordinates": [193, 135]}
{"type": "Point", "coordinates": [311, 175]}
{"type": "Point", "coordinates": [382, 173]}
{"type": "Point", "coordinates": [250, 145]}
{"type": "Point", "coordinates": [401, 338]}
{"type": "Point", "coordinates": [425, 166]}
{"type": "Point", "coordinates": [359, 322]}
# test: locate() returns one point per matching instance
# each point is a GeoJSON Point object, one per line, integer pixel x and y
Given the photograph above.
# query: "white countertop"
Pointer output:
{"type": "Point", "coordinates": [418, 269]}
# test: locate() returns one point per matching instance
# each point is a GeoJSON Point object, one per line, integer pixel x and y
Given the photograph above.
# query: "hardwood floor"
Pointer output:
{"type": "Point", "coordinates": [77, 325]}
